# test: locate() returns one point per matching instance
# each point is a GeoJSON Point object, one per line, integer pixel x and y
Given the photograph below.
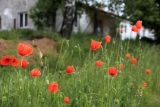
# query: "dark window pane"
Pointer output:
{"type": "Point", "coordinates": [26, 19]}
{"type": "Point", "coordinates": [21, 19]}
{"type": "Point", "coordinates": [14, 23]}
{"type": "Point", "coordinates": [0, 23]}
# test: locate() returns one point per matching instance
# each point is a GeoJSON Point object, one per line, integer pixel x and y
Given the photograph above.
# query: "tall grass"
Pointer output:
{"type": "Point", "coordinates": [89, 85]}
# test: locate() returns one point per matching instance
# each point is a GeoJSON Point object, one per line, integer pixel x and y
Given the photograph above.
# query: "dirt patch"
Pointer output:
{"type": "Point", "coordinates": [45, 45]}
{"type": "Point", "coordinates": [5, 45]}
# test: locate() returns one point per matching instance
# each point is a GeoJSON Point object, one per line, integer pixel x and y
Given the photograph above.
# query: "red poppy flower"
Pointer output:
{"type": "Point", "coordinates": [6, 60]}
{"type": "Point", "coordinates": [24, 49]}
{"type": "Point", "coordinates": [139, 24]}
{"type": "Point", "coordinates": [99, 63]}
{"type": "Point", "coordinates": [53, 87]}
{"type": "Point", "coordinates": [128, 55]}
{"type": "Point", "coordinates": [15, 61]}
{"type": "Point", "coordinates": [24, 63]}
{"type": "Point", "coordinates": [112, 71]}
{"type": "Point", "coordinates": [95, 45]}
{"type": "Point", "coordinates": [148, 71]}
{"type": "Point", "coordinates": [35, 72]}
{"type": "Point", "coordinates": [135, 29]}
{"type": "Point", "coordinates": [70, 69]}
{"type": "Point", "coordinates": [134, 60]}
{"type": "Point", "coordinates": [120, 66]}
{"type": "Point", "coordinates": [145, 84]}
{"type": "Point", "coordinates": [66, 99]}
{"type": "Point", "coordinates": [107, 38]}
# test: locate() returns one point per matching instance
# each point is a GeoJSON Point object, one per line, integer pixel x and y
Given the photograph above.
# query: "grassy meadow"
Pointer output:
{"type": "Point", "coordinates": [89, 85]}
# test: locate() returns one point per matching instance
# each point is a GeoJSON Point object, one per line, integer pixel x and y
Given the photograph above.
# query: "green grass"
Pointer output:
{"type": "Point", "coordinates": [89, 85]}
{"type": "Point", "coordinates": [27, 34]}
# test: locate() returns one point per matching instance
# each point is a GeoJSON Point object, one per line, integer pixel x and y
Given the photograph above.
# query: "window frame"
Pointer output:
{"type": "Point", "coordinates": [23, 19]}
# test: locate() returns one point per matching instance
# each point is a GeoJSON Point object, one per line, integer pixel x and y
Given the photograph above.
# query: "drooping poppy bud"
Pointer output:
{"type": "Point", "coordinates": [145, 84]}
{"type": "Point", "coordinates": [24, 63]}
{"type": "Point", "coordinates": [128, 55]}
{"type": "Point", "coordinates": [120, 66]}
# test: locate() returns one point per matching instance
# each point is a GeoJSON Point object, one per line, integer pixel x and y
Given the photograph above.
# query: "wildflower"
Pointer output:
{"type": "Point", "coordinates": [66, 99]}
{"type": "Point", "coordinates": [24, 63]}
{"type": "Point", "coordinates": [145, 84]}
{"type": "Point", "coordinates": [135, 29]}
{"type": "Point", "coordinates": [139, 24]}
{"type": "Point", "coordinates": [108, 38]}
{"type": "Point", "coordinates": [99, 63]}
{"type": "Point", "coordinates": [120, 66]}
{"type": "Point", "coordinates": [6, 60]}
{"type": "Point", "coordinates": [53, 87]}
{"type": "Point", "coordinates": [35, 72]}
{"type": "Point", "coordinates": [70, 69]}
{"type": "Point", "coordinates": [112, 71]}
{"type": "Point", "coordinates": [148, 71]}
{"type": "Point", "coordinates": [134, 60]}
{"type": "Point", "coordinates": [95, 45]}
{"type": "Point", "coordinates": [128, 55]}
{"type": "Point", "coordinates": [24, 49]}
{"type": "Point", "coordinates": [14, 61]}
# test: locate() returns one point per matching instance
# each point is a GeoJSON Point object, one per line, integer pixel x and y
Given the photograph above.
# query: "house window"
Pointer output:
{"type": "Point", "coordinates": [0, 23]}
{"type": "Point", "coordinates": [26, 19]}
{"type": "Point", "coordinates": [14, 23]}
{"type": "Point", "coordinates": [23, 19]}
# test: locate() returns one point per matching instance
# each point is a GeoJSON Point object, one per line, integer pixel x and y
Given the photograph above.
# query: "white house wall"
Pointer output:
{"type": "Point", "coordinates": [85, 24]}
{"type": "Point", "coordinates": [9, 10]}
{"type": "Point", "coordinates": [59, 19]}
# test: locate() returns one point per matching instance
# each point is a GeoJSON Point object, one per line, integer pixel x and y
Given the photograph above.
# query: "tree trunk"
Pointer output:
{"type": "Point", "coordinates": [68, 18]}
{"type": "Point", "coordinates": [52, 22]}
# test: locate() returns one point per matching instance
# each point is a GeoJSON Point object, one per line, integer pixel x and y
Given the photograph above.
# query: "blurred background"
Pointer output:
{"type": "Point", "coordinates": [101, 17]}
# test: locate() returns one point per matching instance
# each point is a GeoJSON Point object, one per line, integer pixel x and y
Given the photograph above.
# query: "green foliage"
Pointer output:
{"type": "Point", "coordinates": [16, 34]}
{"type": "Point", "coordinates": [148, 11]}
{"type": "Point", "coordinates": [115, 6]}
{"type": "Point", "coordinates": [44, 13]}
{"type": "Point", "coordinates": [28, 34]}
